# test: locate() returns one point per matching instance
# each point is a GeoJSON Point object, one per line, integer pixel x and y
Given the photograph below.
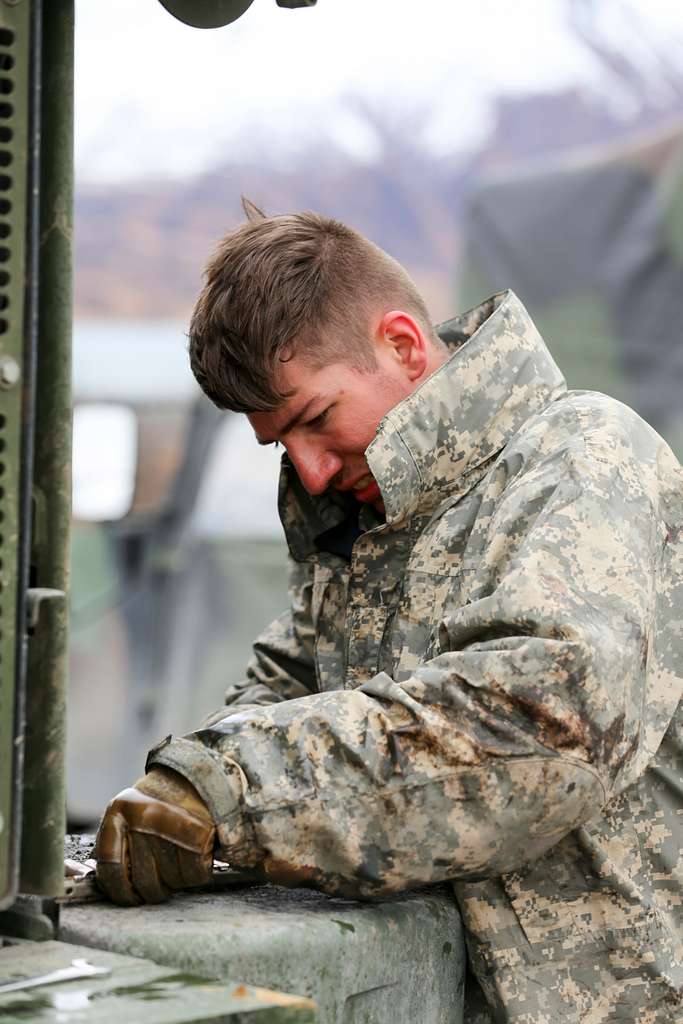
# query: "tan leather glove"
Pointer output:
{"type": "Point", "coordinates": [155, 837]}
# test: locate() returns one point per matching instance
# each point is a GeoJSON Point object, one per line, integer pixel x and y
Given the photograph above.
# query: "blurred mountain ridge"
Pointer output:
{"type": "Point", "coordinates": [140, 247]}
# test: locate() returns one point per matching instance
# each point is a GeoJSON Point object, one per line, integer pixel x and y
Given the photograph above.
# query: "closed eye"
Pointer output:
{"type": "Point", "coordinates": [318, 420]}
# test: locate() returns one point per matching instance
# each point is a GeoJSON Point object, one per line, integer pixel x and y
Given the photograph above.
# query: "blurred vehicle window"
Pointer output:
{"type": "Point", "coordinates": [238, 493]}
{"type": "Point", "coordinates": [103, 488]}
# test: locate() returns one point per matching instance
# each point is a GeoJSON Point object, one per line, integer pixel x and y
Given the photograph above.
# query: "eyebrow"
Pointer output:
{"type": "Point", "coordinates": [292, 421]}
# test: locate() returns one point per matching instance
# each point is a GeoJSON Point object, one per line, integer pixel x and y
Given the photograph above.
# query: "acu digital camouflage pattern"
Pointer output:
{"type": "Point", "coordinates": [482, 693]}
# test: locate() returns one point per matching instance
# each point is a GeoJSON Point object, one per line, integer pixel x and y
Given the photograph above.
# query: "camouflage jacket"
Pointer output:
{"type": "Point", "coordinates": [487, 691]}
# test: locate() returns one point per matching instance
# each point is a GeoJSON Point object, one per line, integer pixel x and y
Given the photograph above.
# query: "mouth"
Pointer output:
{"type": "Point", "coordinates": [363, 483]}
{"type": "Point", "coordinates": [364, 489]}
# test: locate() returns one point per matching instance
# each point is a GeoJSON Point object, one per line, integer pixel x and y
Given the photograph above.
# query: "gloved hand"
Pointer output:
{"type": "Point", "coordinates": [155, 837]}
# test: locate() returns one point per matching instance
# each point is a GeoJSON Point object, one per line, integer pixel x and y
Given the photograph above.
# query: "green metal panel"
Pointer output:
{"type": "Point", "coordinates": [15, 384]}
{"type": "Point", "coordinates": [133, 990]}
{"type": "Point", "coordinates": [44, 807]}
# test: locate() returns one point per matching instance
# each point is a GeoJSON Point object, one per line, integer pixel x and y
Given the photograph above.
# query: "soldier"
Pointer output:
{"type": "Point", "coordinates": [480, 672]}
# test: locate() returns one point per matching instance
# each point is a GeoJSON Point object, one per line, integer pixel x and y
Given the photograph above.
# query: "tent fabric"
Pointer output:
{"type": "Point", "coordinates": [592, 245]}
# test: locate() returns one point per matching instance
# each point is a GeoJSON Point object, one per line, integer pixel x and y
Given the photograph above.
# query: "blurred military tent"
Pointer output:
{"type": "Point", "coordinates": [593, 245]}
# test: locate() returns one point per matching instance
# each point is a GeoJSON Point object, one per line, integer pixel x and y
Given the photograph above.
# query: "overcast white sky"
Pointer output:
{"type": "Point", "coordinates": [155, 97]}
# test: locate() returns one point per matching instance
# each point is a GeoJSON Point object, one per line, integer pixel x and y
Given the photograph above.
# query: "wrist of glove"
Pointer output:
{"type": "Point", "coordinates": [155, 837]}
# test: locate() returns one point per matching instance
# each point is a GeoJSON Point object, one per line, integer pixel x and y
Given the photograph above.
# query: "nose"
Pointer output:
{"type": "Point", "coordinates": [316, 467]}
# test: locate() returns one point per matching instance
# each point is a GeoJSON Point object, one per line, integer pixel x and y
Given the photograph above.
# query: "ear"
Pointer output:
{"type": "Point", "coordinates": [401, 338]}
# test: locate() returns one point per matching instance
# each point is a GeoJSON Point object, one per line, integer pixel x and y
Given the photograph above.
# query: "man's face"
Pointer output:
{"type": "Point", "coordinates": [331, 418]}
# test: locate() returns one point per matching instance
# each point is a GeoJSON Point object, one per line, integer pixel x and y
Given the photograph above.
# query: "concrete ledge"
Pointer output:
{"type": "Point", "coordinates": [397, 961]}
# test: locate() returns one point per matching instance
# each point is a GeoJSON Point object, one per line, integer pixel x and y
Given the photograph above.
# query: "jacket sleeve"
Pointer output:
{"type": "Point", "coordinates": [281, 667]}
{"type": "Point", "coordinates": [549, 693]}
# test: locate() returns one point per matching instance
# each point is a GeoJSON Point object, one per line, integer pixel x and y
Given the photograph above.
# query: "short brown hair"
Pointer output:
{"type": "Point", "coordinates": [275, 284]}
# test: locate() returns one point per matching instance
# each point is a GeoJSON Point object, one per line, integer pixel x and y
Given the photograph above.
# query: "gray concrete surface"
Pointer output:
{"type": "Point", "coordinates": [398, 961]}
